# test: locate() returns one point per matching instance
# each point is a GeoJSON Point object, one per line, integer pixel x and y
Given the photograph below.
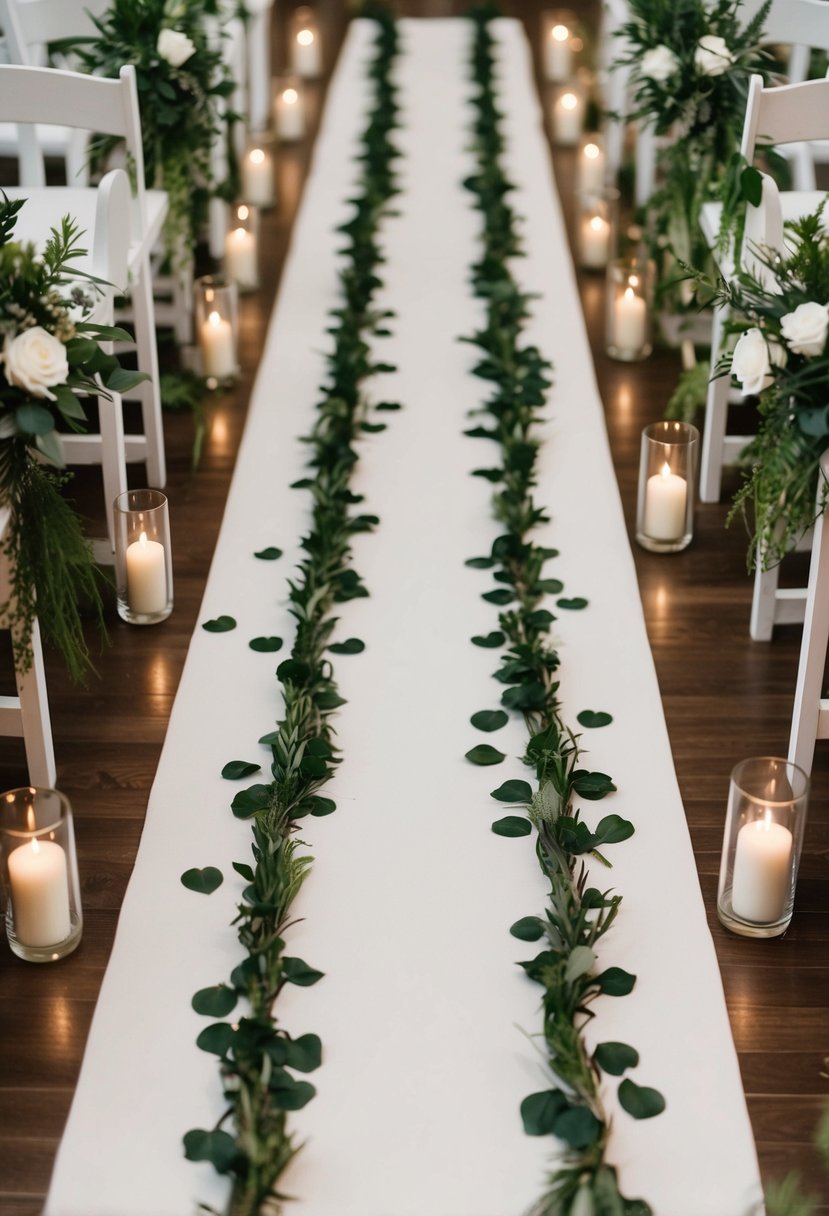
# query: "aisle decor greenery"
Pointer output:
{"type": "Point", "coordinates": [578, 913]}
{"type": "Point", "coordinates": [184, 88]}
{"type": "Point", "coordinates": [51, 362]}
{"type": "Point", "coordinates": [690, 63]}
{"type": "Point", "coordinates": [258, 1059]}
{"type": "Point", "coordinates": [780, 310]}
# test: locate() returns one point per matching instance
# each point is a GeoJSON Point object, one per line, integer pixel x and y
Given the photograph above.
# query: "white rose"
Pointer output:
{"type": "Point", "coordinates": [176, 48]}
{"type": "Point", "coordinates": [659, 64]}
{"type": "Point", "coordinates": [750, 361]}
{"type": "Point", "coordinates": [712, 57]}
{"type": "Point", "coordinates": [805, 329]}
{"type": "Point", "coordinates": [35, 360]}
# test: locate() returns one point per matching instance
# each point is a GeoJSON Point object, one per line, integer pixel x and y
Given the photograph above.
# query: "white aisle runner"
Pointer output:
{"type": "Point", "coordinates": [407, 911]}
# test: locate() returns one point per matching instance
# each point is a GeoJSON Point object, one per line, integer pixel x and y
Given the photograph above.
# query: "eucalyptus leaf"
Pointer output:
{"type": "Point", "coordinates": [349, 646]}
{"type": "Point", "coordinates": [268, 555]}
{"type": "Point", "coordinates": [640, 1101]}
{"type": "Point", "coordinates": [615, 1058]}
{"type": "Point", "coordinates": [266, 645]}
{"type": "Point", "coordinates": [216, 1039]}
{"type": "Point", "coordinates": [295, 971]}
{"type": "Point", "coordinates": [500, 596]}
{"type": "Point", "coordinates": [485, 754]}
{"type": "Point", "coordinates": [615, 981]}
{"type": "Point", "coordinates": [219, 624]}
{"type": "Point", "coordinates": [574, 602]}
{"type": "Point", "coordinates": [204, 881]}
{"type": "Point", "coordinates": [540, 1111]}
{"type": "Point", "coordinates": [305, 1053]}
{"type": "Point", "coordinates": [490, 641]}
{"type": "Point", "coordinates": [215, 1002]}
{"type": "Point", "coordinates": [240, 768]}
{"type": "Point", "coordinates": [489, 719]}
{"type": "Point", "coordinates": [613, 830]}
{"type": "Point", "coordinates": [512, 825]}
{"type": "Point", "coordinates": [217, 1147]}
{"type": "Point", "coordinates": [480, 563]}
{"type": "Point", "coordinates": [593, 718]}
{"type": "Point", "coordinates": [514, 790]}
{"type": "Point", "coordinates": [528, 929]}
{"type": "Point", "coordinates": [321, 806]}
{"type": "Point", "coordinates": [578, 1127]}
{"type": "Point", "coordinates": [248, 802]}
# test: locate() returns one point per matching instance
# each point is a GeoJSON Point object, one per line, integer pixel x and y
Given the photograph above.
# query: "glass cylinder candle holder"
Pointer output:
{"type": "Point", "coordinates": [305, 44]}
{"type": "Point", "coordinates": [259, 172]}
{"type": "Point", "coordinates": [560, 42]}
{"type": "Point", "coordinates": [629, 308]}
{"type": "Point", "coordinates": [241, 262]}
{"type": "Point", "coordinates": [216, 318]}
{"type": "Point", "coordinates": [596, 229]}
{"type": "Point", "coordinates": [568, 114]}
{"type": "Point", "coordinates": [764, 826]}
{"type": "Point", "coordinates": [667, 476]}
{"type": "Point", "coordinates": [39, 871]}
{"type": "Point", "coordinates": [591, 164]}
{"type": "Point", "coordinates": [288, 108]}
{"type": "Point", "coordinates": [143, 557]}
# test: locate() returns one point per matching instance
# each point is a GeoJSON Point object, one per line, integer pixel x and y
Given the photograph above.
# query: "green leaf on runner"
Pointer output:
{"type": "Point", "coordinates": [484, 753]}
{"type": "Point", "coordinates": [640, 1101]}
{"type": "Point", "coordinates": [219, 624]}
{"type": "Point", "coordinates": [490, 641]}
{"type": "Point", "coordinates": [215, 1002]}
{"type": "Point", "coordinates": [512, 825]}
{"type": "Point", "coordinates": [268, 555]}
{"type": "Point", "coordinates": [513, 791]}
{"type": "Point", "coordinates": [615, 1058]}
{"type": "Point", "coordinates": [239, 768]}
{"type": "Point", "coordinates": [489, 719]}
{"type": "Point", "coordinates": [203, 882]}
{"type": "Point", "coordinates": [349, 646]}
{"type": "Point", "coordinates": [266, 645]}
{"type": "Point", "coordinates": [594, 718]}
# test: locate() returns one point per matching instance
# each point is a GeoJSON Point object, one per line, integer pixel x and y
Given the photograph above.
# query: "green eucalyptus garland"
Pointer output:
{"type": "Point", "coordinates": [578, 913]}
{"type": "Point", "coordinates": [258, 1058]}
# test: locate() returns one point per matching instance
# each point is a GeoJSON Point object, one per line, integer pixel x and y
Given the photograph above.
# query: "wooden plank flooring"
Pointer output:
{"type": "Point", "coordinates": [725, 698]}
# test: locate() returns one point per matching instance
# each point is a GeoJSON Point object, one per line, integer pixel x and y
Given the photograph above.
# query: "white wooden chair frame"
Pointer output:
{"type": "Point", "coordinates": [810, 716]}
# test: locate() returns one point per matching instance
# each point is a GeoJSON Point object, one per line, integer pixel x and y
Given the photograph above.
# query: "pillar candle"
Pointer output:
{"type": "Point", "coordinates": [257, 178]}
{"type": "Point", "coordinates": [567, 119]}
{"type": "Point", "coordinates": [666, 496]}
{"type": "Point", "coordinates": [306, 59]}
{"type": "Point", "coordinates": [558, 54]}
{"type": "Point", "coordinates": [146, 576]}
{"type": "Point", "coordinates": [39, 881]}
{"type": "Point", "coordinates": [595, 242]}
{"type": "Point", "coordinates": [591, 168]}
{"type": "Point", "coordinates": [630, 321]}
{"type": "Point", "coordinates": [762, 867]}
{"type": "Point", "coordinates": [240, 258]}
{"type": "Point", "coordinates": [217, 347]}
{"type": "Point", "coordinates": [289, 114]}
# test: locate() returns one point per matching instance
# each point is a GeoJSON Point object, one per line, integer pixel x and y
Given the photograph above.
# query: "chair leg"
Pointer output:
{"type": "Point", "coordinates": [145, 339]}
{"type": "Point", "coordinates": [716, 414]}
{"type": "Point", "coordinates": [764, 600]}
{"type": "Point", "coordinates": [807, 698]}
{"type": "Point", "coordinates": [113, 456]}
{"type": "Point", "coordinates": [34, 711]}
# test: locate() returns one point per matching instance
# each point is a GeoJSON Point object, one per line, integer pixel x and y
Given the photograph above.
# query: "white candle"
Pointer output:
{"type": "Point", "coordinates": [591, 168]}
{"type": "Point", "coordinates": [567, 119]}
{"type": "Point", "coordinates": [257, 178]}
{"type": "Point", "coordinates": [630, 321]}
{"type": "Point", "coordinates": [558, 54]}
{"type": "Point", "coordinates": [240, 258]}
{"type": "Point", "coordinates": [39, 882]}
{"type": "Point", "coordinates": [289, 113]}
{"type": "Point", "coordinates": [595, 242]}
{"type": "Point", "coordinates": [666, 496]}
{"type": "Point", "coordinates": [146, 576]}
{"type": "Point", "coordinates": [762, 868]}
{"type": "Point", "coordinates": [306, 59]}
{"type": "Point", "coordinates": [217, 347]}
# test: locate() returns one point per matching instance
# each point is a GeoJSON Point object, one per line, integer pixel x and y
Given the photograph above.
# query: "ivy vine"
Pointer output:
{"type": "Point", "coordinates": [258, 1059]}
{"type": "Point", "coordinates": [578, 913]}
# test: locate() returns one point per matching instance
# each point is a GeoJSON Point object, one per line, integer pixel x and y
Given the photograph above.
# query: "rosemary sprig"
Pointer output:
{"type": "Point", "coordinates": [258, 1058]}
{"type": "Point", "coordinates": [578, 914]}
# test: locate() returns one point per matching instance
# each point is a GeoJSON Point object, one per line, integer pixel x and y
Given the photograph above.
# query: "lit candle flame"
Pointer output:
{"type": "Point", "coordinates": [666, 470]}
{"type": "Point", "coordinates": [633, 280]}
{"type": "Point", "coordinates": [257, 156]}
{"type": "Point", "coordinates": [215, 320]}
{"type": "Point", "coordinates": [630, 294]}
{"type": "Point", "coordinates": [290, 97]}
{"type": "Point", "coordinates": [592, 151]}
{"type": "Point", "coordinates": [560, 33]}
{"type": "Point", "coordinates": [239, 234]}
{"type": "Point", "coordinates": [569, 101]}
{"type": "Point", "coordinates": [305, 37]}
{"type": "Point", "coordinates": [597, 223]}
{"type": "Point", "coordinates": [242, 212]}
{"type": "Point", "coordinates": [142, 540]}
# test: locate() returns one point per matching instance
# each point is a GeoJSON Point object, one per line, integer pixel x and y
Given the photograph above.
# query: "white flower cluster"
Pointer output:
{"type": "Point", "coordinates": [712, 57]}
{"type": "Point", "coordinates": [35, 361]}
{"type": "Point", "coordinates": [174, 47]}
{"type": "Point", "coordinates": [805, 332]}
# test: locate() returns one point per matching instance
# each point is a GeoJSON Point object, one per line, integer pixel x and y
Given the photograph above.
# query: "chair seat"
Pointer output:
{"type": "Point", "coordinates": [793, 203]}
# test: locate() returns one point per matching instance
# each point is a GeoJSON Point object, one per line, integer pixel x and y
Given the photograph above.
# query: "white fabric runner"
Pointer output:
{"type": "Point", "coordinates": [408, 907]}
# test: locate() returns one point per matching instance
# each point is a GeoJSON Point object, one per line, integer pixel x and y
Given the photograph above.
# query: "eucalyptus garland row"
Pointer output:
{"type": "Point", "coordinates": [578, 913]}
{"type": "Point", "coordinates": [258, 1059]}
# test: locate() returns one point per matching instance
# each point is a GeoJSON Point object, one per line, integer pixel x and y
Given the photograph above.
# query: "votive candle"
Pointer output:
{"type": "Point", "coordinates": [146, 576]}
{"type": "Point", "coordinates": [666, 497]}
{"type": "Point", "coordinates": [217, 347]}
{"type": "Point", "coordinates": [568, 118]}
{"type": "Point", "coordinates": [257, 177]}
{"type": "Point", "coordinates": [762, 867]}
{"type": "Point", "coordinates": [39, 880]}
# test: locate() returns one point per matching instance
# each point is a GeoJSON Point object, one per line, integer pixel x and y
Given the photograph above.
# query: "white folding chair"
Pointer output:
{"type": "Point", "coordinates": [109, 107]}
{"type": "Point", "coordinates": [810, 716]}
{"type": "Point", "coordinates": [230, 39]}
{"type": "Point", "coordinates": [259, 64]}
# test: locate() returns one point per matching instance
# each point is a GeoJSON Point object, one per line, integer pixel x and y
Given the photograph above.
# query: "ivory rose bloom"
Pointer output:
{"type": "Point", "coordinates": [712, 57]}
{"type": "Point", "coordinates": [750, 361]}
{"type": "Point", "coordinates": [659, 64]}
{"type": "Point", "coordinates": [805, 329]}
{"type": "Point", "coordinates": [35, 361]}
{"type": "Point", "coordinates": [176, 48]}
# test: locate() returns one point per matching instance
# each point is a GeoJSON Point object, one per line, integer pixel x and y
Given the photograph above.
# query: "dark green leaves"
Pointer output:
{"type": "Point", "coordinates": [248, 802]}
{"type": "Point", "coordinates": [216, 1039]}
{"type": "Point", "coordinates": [349, 646]}
{"type": "Point", "coordinates": [592, 786]}
{"type": "Point", "coordinates": [513, 791]}
{"type": "Point", "coordinates": [204, 882]}
{"type": "Point", "coordinates": [640, 1101]}
{"type": "Point", "coordinates": [269, 555]}
{"type": "Point", "coordinates": [295, 971]}
{"type": "Point", "coordinates": [266, 645]}
{"type": "Point", "coordinates": [484, 753]}
{"type": "Point", "coordinates": [499, 596]}
{"type": "Point", "coordinates": [616, 1058]}
{"type": "Point", "coordinates": [612, 830]}
{"type": "Point", "coordinates": [489, 719]}
{"type": "Point", "coordinates": [239, 768]}
{"type": "Point", "coordinates": [219, 624]}
{"type": "Point", "coordinates": [490, 641]}
{"type": "Point", "coordinates": [540, 1111]}
{"type": "Point", "coordinates": [217, 1147]}
{"type": "Point", "coordinates": [574, 603]}
{"type": "Point", "coordinates": [216, 1002]}
{"type": "Point", "coordinates": [615, 982]}
{"type": "Point", "coordinates": [512, 825]}
{"type": "Point", "coordinates": [592, 718]}
{"type": "Point", "coordinates": [528, 929]}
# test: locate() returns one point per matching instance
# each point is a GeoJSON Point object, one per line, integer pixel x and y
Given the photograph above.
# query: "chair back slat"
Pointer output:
{"type": "Point", "coordinates": [787, 114]}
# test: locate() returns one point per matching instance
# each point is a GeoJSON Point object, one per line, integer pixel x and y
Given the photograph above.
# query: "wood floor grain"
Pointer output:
{"type": "Point", "coordinates": [725, 698]}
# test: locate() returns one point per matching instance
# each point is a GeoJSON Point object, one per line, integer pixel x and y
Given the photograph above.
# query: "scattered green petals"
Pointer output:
{"type": "Point", "coordinates": [513, 791]}
{"type": "Point", "coordinates": [240, 768]}
{"type": "Point", "coordinates": [512, 825]}
{"type": "Point", "coordinates": [204, 881]}
{"type": "Point", "coordinates": [484, 754]}
{"type": "Point", "coordinates": [215, 1002]}
{"type": "Point", "coordinates": [268, 555]}
{"type": "Point", "coordinates": [616, 1058]}
{"type": "Point", "coordinates": [219, 624]}
{"type": "Point", "coordinates": [640, 1101]}
{"type": "Point", "coordinates": [490, 641]}
{"type": "Point", "coordinates": [489, 719]}
{"type": "Point", "coordinates": [574, 602]}
{"type": "Point", "coordinates": [349, 646]}
{"type": "Point", "coordinates": [266, 645]}
{"type": "Point", "coordinates": [594, 718]}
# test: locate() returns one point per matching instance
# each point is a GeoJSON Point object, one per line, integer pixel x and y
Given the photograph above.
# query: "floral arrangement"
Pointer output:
{"type": "Point", "coordinates": [690, 66]}
{"type": "Point", "coordinates": [782, 317]}
{"type": "Point", "coordinates": [51, 359]}
{"type": "Point", "coordinates": [183, 84]}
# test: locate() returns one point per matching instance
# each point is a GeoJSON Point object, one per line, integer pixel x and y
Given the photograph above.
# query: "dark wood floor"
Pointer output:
{"type": "Point", "coordinates": [725, 698]}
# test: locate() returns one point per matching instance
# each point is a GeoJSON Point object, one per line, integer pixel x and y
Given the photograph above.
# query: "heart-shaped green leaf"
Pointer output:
{"type": "Point", "coordinates": [489, 719]}
{"type": "Point", "coordinates": [594, 718]}
{"type": "Point", "coordinates": [295, 971]}
{"type": "Point", "coordinates": [239, 768]}
{"type": "Point", "coordinates": [268, 555]}
{"type": "Point", "coordinates": [485, 754]}
{"type": "Point", "coordinates": [540, 1111]}
{"type": "Point", "coordinates": [219, 624]}
{"type": "Point", "coordinates": [217, 1147]}
{"type": "Point", "coordinates": [349, 646]}
{"type": "Point", "coordinates": [204, 882]}
{"type": "Point", "coordinates": [215, 1002]}
{"type": "Point", "coordinates": [490, 641]}
{"type": "Point", "coordinates": [615, 1058]}
{"type": "Point", "coordinates": [640, 1101]}
{"type": "Point", "coordinates": [266, 645]}
{"type": "Point", "coordinates": [574, 602]}
{"type": "Point", "coordinates": [528, 929]}
{"type": "Point", "coordinates": [615, 981]}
